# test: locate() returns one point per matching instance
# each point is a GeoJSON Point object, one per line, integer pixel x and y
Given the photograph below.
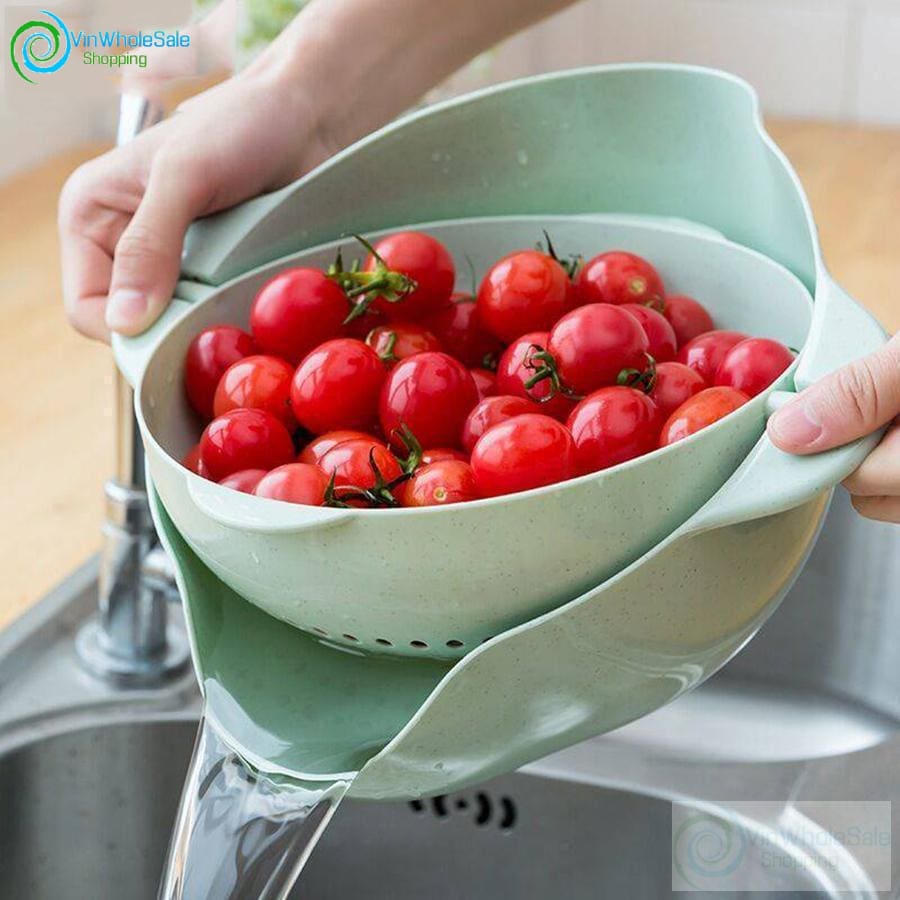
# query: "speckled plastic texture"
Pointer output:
{"type": "Point", "coordinates": [667, 607]}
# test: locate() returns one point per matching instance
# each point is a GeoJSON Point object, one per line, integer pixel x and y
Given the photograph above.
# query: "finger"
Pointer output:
{"type": "Point", "coordinates": [148, 255]}
{"type": "Point", "coordinates": [881, 509]}
{"type": "Point", "coordinates": [852, 402]}
{"type": "Point", "coordinates": [879, 475]}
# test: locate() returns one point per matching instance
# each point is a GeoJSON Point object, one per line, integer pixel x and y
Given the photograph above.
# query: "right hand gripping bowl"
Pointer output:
{"type": "Point", "coordinates": [691, 546]}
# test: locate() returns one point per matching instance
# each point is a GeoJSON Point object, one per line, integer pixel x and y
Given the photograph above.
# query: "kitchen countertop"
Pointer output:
{"type": "Point", "coordinates": [56, 427]}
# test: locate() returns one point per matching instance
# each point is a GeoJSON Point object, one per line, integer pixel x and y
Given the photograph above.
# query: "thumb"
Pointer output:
{"type": "Point", "coordinates": [147, 257]}
{"type": "Point", "coordinates": [845, 405]}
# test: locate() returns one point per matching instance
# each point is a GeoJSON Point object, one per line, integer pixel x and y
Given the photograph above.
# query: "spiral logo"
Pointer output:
{"type": "Point", "coordinates": [40, 46]}
{"type": "Point", "coordinates": [707, 849]}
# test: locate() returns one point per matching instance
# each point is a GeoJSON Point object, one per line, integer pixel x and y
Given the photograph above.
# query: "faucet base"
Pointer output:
{"type": "Point", "coordinates": [98, 658]}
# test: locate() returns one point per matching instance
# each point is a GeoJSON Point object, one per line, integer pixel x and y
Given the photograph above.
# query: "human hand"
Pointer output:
{"type": "Point", "coordinates": [852, 402]}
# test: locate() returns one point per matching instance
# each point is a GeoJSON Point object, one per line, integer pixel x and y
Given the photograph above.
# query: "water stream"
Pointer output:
{"type": "Point", "coordinates": [239, 834]}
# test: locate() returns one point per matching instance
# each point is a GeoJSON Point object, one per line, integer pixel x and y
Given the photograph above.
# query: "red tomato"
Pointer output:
{"type": "Point", "coordinates": [593, 344]}
{"type": "Point", "coordinates": [297, 310]}
{"type": "Point", "coordinates": [210, 353]}
{"type": "Point", "coordinates": [489, 412]}
{"type": "Point", "coordinates": [525, 291]}
{"type": "Point", "coordinates": [700, 411]}
{"type": "Point", "coordinates": [704, 354]}
{"type": "Point", "coordinates": [660, 335]}
{"type": "Point", "coordinates": [193, 462]}
{"type": "Point", "coordinates": [361, 326]}
{"type": "Point", "coordinates": [485, 382]}
{"type": "Point", "coordinates": [295, 483]}
{"type": "Point", "coordinates": [319, 446]}
{"type": "Point", "coordinates": [439, 454]}
{"type": "Point", "coordinates": [244, 439]}
{"type": "Point", "coordinates": [688, 318]}
{"type": "Point", "coordinates": [430, 393]}
{"type": "Point", "coordinates": [244, 481]}
{"type": "Point", "coordinates": [440, 484]}
{"type": "Point", "coordinates": [525, 452]}
{"type": "Point", "coordinates": [514, 371]}
{"type": "Point", "coordinates": [426, 261]}
{"type": "Point", "coordinates": [674, 384]}
{"type": "Point", "coordinates": [613, 425]}
{"type": "Point", "coordinates": [619, 277]}
{"type": "Point", "coordinates": [398, 340]}
{"type": "Point", "coordinates": [257, 382]}
{"type": "Point", "coordinates": [459, 329]}
{"type": "Point", "coordinates": [351, 465]}
{"type": "Point", "coordinates": [337, 386]}
{"type": "Point", "coordinates": [752, 365]}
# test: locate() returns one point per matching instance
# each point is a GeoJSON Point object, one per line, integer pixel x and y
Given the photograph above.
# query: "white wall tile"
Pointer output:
{"type": "Point", "coordinates": [877, 95]}
{"type": "Point", "coordinates": [794, 51]}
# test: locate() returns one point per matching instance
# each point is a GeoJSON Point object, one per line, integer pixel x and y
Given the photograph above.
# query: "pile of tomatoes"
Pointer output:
{"type": "Point", "coordinates": [375, 385]}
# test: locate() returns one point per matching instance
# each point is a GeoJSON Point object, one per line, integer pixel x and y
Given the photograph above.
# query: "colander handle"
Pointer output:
{"type": "Point", "coordinates": [255, 515]}
{"type": "Point", "coordinates": [770, 481]}
{"type": "Point", "coordinates": [133, 353]}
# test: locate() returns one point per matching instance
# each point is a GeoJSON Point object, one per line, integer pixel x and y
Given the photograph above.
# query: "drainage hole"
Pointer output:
{"type": "Point", "coordinates": [384, 642]}
{"type": "Point", "coordinates": [418, 644]}
{"type": "Point", "coordinates": [350, 637]}
{"type": "Point", "coordinates": [439, 804]}
{"type": "Point", "coordinates": [321, 631]}
{"type": "Point", "coordinates": [417, 806]}
{"type": "Point", "coordinates": [454, 643]}
{"type": "Point", "coordinates": [483, 816]}
{"type": "Point", "coordinates": [508, 818]}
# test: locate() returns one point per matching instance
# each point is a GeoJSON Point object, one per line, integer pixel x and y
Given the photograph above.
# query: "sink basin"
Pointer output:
{"type": "Point", "coordinates": [85, 815]}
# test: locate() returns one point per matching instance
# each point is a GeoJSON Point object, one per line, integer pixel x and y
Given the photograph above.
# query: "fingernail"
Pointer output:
{"type": "Point", "coordinates": [794, 426]}
{"type": "Point", "coordinates": [125, 309]}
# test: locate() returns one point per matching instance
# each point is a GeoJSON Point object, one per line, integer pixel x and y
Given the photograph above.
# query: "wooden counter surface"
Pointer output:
{"type": "Point", "coordinates": [56, 427]}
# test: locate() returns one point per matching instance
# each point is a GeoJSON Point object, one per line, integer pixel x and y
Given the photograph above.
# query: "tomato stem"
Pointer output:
{"type": "Point", "coordinates": [413, 448]}
{"type": "Point", "coordinates": [641, 379]}
{"type": "Point", "coordinates": [543, 364]}
{"type": "Point", "coordinates": [570, 264]}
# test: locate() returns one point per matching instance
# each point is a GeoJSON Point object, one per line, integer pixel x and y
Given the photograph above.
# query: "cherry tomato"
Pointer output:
{"type": "Point", "coordinates": [752, 365]}
{"type": "Point", "coordinates": [674, 384]}
{"type": "Point", "coordinates": [244, 439]}
{"type": "Point", "coordinates": [489, 412]}
{"type": "Point", "coordinates": [294, 483]}
{"type": "Point", "coordinates": [699, 411]}
{"type": "Point", "coordinates": [361, 326]}
{"type": "Point", "coordinates": [351, 465]}
{"type": "Point", "coordinates": [427, 262]}
{"type": "Point", "coordinates": [688, 318]}
{"type": "Point", "coordinates": [440, 484]}
{"type": "Point", "coordinates": [431, 394]}
{"type": "Point", "coordinates": [660, 335]}
{"type": "Point", "coordinates": [244, 481]}
{"type": "Point", "coordinates": [257, 382]}
{"type": "Point", "coordinates": [297, 310]}
{"type": "Point", "coordinates": [593, 344]}
{"type": "Point", "coordinates": [613, 425]}
{"type": "Point", "coordinates": [525, 452]}
{"type": "Point", "coordinates": [439, 454]}
{"type": "Point", "coordinates": [485, 381]}
{"type": "Point", "coordinates": [193, 462]}
{"type": "Point", "coordinates": [704, 354]}
{"type": "Point", "coordinates": [210, 353]}
{"type": "Point", "coordinates": [459, 329]}
{"type": "Point", "coordinates": [525, 291]}
{"type": "Point", "coordinates": [518, 365]}
{"type": "Point", "coordinates": [319, 446]}
{"type": "Point", "coordinates": [620, 277]}
{"type": "Point", "coordinates": [337, 386]}
{"type": "Point", "coordinates": [398, 340]}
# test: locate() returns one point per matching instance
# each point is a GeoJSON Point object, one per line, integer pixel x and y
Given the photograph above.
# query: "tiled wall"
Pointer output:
{"type": "Point", "coordinates": [834, 59]}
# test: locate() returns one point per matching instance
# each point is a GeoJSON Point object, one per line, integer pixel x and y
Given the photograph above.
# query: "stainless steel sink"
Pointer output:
{"type": "Point", "coordinates": [90, 772]}
{"type": "Point", "coordinates": [86, 815]}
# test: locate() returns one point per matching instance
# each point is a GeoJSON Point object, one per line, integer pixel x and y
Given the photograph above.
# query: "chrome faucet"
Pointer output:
{"type": "Point", "coordinates": [132, 641]}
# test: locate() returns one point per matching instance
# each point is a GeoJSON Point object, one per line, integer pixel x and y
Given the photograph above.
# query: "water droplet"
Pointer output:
{"type": "Point", "coordinates": [436, 156]}
{"type": "Point", "coordinates": [522, 158]}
